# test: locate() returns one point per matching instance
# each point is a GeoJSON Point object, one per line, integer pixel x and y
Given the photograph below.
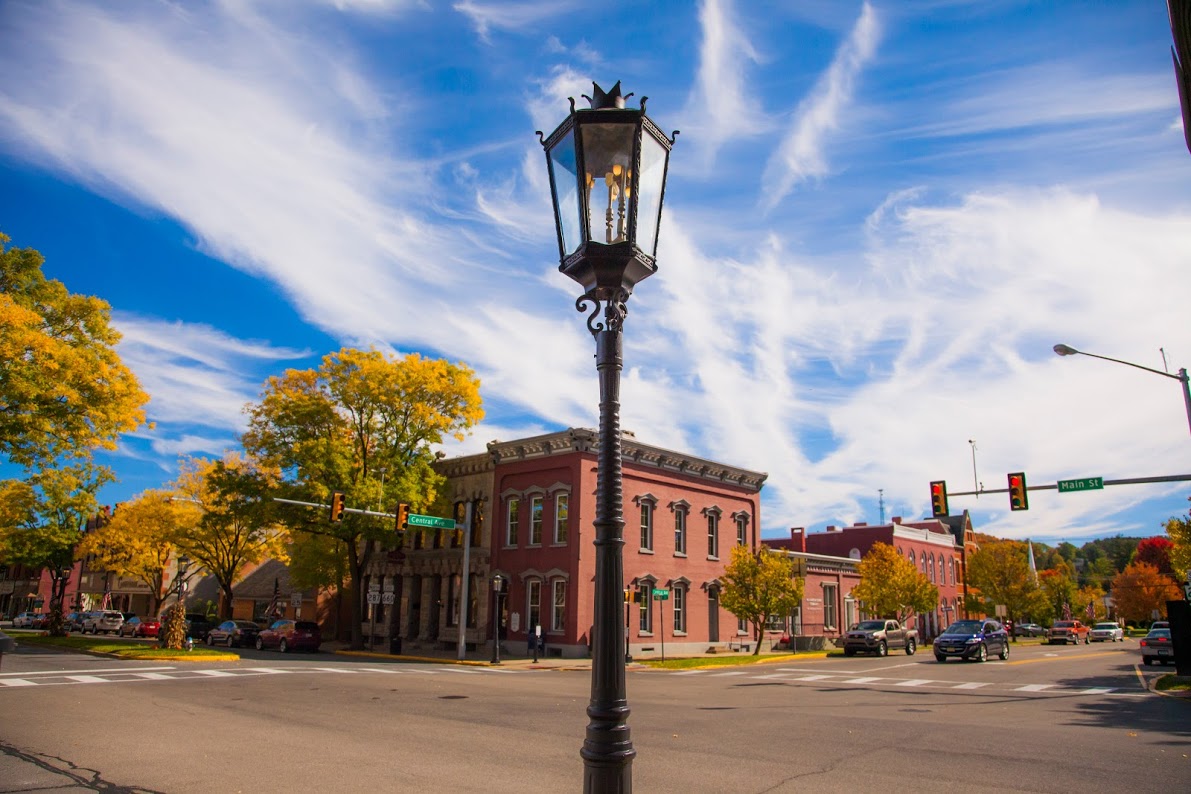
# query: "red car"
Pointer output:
{"type": "Point", "coordinates": [136, 626]}
{"type": "Point", "coordinates": [290, 635]}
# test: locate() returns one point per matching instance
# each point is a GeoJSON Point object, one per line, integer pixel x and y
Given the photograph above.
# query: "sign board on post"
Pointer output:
{"type": "Point", "coordinates": [660, 594]}
{"type": "Point", "coordinates": [295, 599]}
{"type": "Point", "coordinates": [430, 522]}
{"type": "Point", "coordinates": [1002, 610]}
{"type": "Point", "coordinates": [387, 598]}
{"type": "Point", "coordinates": [373, 597]}
{"type": "Point", "coordinates": [1086, 484]}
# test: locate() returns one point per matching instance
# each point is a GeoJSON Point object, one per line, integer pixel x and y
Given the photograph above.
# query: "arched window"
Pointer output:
{"type": "Point", "coordinates": [951, 569]}
{"type": "Point", "coordinates": [912, 562]}
{"type": "Point", "coordinates": [932, 568]}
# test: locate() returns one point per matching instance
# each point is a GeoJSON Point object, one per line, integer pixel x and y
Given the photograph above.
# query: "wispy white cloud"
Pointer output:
{"type": "Point", "coordinates": [509, 16]}
{"type": "Point", "coordinates": [722, 106]}
{"type": "Point", "coordinates": [801, 155]}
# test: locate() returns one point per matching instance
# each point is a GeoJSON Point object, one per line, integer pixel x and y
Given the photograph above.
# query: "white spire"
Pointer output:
{"type": "Point", "coordinates": [1033, 567]}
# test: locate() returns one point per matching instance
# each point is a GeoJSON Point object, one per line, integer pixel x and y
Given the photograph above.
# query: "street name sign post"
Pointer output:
{"type": "Point", "coordinates": [430, 522]}
{"type": "Point", "coordinates": [1085, 484]}
{"type": "Point", "coordinates": [662, 594]}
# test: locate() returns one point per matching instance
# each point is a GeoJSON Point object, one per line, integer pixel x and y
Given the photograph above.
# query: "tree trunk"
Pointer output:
{"type": "Point", "coordinates": [225, 601]}
{"type": "Point", "coordinates": [357, 571]}
{"type": "Point", "coordinates": [758, 635]}
{"type": "Point", "coordinates": [58, 584]}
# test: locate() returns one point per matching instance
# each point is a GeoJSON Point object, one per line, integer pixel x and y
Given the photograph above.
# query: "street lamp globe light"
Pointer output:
{"type": "Point", "coordinates": [607, 169]}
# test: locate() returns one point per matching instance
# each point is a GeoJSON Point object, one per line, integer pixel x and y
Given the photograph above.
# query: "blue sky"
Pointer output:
{"type": "Point", "coordinates": [880, 217]}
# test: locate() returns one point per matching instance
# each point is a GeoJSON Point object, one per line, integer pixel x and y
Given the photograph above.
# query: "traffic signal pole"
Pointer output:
{"type": "Point", "coordinates": [1055, 486]}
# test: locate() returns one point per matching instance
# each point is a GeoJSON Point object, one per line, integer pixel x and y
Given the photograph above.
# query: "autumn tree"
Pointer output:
{"type": "Point", "coordinates": [363, 424]}
{"type": "Point", "coordinates": [1001, 573]}
{"type": "Point", "coordinates": [63, 388]}
{"type": "Point", "coordinates": [228, 518]}
{"type": "Point", "coordinates": [891, 586]}
{"type": "Point", "coordinates": [1179, 532]}
{"type": "Point", "coordinates": [42, 520]}
{"type": "Point", "coordinates": [757, 585]}
{"type": "Point", "coordinates": [1140, 589]}
{"type": "Point", "coordinates": [1155, 551]}
{"type": "Point", "coordinates": [138, 540]}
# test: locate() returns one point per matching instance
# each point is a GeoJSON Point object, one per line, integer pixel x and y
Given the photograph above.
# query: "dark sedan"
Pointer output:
{"type": "Point", "coordinates": [1028, 630]}
{"type": "Point", "coordinates": [972, 639]}
{"type": "Point", "coordinates": [290, 635]}
{"type": "Point", "coordinates": [233, 633]}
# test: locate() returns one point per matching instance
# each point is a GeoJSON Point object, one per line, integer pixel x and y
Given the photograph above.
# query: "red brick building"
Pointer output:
{"type": "Point", "coordinates": [535, 502]}
{"type": "Point", "coordinates": [938, 547]}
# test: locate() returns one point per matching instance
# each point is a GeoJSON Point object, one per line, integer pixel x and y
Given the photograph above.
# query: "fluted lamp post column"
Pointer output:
{"type": "Point", "coordinates": [607, 179]}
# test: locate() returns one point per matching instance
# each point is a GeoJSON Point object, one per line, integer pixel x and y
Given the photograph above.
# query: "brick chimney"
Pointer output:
{"type": "Point", "coordinates": [798, 539]}
{"type": "Point", "coordinates": [897, 519]}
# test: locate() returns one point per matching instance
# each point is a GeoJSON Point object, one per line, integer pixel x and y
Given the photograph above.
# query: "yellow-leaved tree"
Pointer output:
{"type": "Point", "coordinates": [757, 585]}
{"type": "Point", "coordinates": [363, 424]}
{"type": "Point", "coordinates": [1141, 589]}
{"type": "Point", "coordinates": [229, 518]}
{"type": "Point", "coordinates": [137, 541]}
{"type": "Point", "coordinates": [891, 587]}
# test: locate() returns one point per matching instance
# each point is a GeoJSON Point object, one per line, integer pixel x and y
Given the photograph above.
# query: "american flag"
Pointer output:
{"type": "Point", "coordinates": [1066, 611]}
{"type": "Point", "coordinates": [106, 603]}
{"type": "Point", "coordinates": [1091, 611]}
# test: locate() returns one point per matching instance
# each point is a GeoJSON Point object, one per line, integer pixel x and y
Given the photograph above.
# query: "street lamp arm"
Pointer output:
{"type": "Point", "coordinates": [1068, 351]}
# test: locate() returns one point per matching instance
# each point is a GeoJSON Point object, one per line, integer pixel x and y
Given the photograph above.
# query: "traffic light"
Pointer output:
{"type": "Point", "coordinates": [336, 507]}
{"type": "Point", "coordinates": [1018, 500]}
{"type": "Point", "coordinates": [630, 595]}
{"type": "Point", "coordinates": [938, 498]}
{"type": "Point", "coordinates": [402, 517]}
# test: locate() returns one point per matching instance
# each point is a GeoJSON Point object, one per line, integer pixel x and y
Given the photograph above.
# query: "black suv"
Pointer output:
{"type": "Point", "coordinates": [197, 626]}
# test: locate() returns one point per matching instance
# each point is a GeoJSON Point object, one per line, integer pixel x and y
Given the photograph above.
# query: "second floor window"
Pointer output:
{"type": "Point", "coordinates": [561, 508]}
{"type": "Point", "coordinates": [514, 515]}
{"type": "Point", "coordinates": [680, 531]}
{"type": "Point", "coordinates": [535, 521]}
{"type": "Point", "coordinates": [647, 526]}
{"type": "Point", "coordinates": [713, 535]}
{"type": "Point", "coordinates": [742, 531]}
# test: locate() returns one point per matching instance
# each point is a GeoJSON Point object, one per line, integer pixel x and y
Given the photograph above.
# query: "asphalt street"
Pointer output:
{"type": "Point", "coordinates": [1049, 719]}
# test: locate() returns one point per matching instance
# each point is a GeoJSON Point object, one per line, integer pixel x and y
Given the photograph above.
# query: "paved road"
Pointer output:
{"type": "Point", "coordinates": [1049, 719]}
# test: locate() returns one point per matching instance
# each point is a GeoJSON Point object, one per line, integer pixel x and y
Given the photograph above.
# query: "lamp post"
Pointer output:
{"type": "Point", "coordinates": [607, 179]}
{"type": "Point", "coordinates": [183, 567]}
{"type": "Point", "coordinates": [1066, 350]}
{"type": "Point", "coordinates": [497, 583]}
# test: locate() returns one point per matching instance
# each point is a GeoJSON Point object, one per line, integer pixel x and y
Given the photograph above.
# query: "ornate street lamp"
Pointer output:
{"type": "Point", "coordinates": [497, 587]}
{"type": "Point", "coordinates": [607, 179]}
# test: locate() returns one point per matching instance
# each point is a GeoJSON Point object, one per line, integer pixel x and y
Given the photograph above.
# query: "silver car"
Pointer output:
{"type": "Point", "coordinates": [1107, 632]}
{"type": "Point", "coordinates": [103, 620]}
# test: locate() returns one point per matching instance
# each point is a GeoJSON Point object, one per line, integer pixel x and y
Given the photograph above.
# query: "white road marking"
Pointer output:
{"type": "Point", "coordinates": [16, 682]}
{"type": "Point", "coordinates": [691, 672]}
{"type": "Point", "coordinates": [861, 680]}
{"type": "Point", "coordinates": [915, 682]}
{"type": "Point", "coordinates": [89, 679]}
{"type": "Point", "coordinates": [335, 670]}
{"type": "Point", "coordinates": [1096, 690]}
{"type": "Point", "coordinates": [154, 676]}
{"type": "Point", "coordinates": [970, 685]}
{"type": "Point", "coordinates": [215, 673]}
{"type": "Point", "coordinates": [723, 675]}
{"type": "Point", "coordinates": [811, 678]}
{"type": "Point", "coordinates": [88, 671]}
{"type": "Point", "coordinates": [1033, 687]}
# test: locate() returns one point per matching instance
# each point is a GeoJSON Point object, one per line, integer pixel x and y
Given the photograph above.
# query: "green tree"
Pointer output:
{"type": "Point", "coordinates": [757, 585]}
{"type": "Point", "coordinates": [42, 521]}
{"type": "Point", "coordinates": [891, 587]}
{"type": "Point", "coordinates": [1060, 589]}
{"type": "Point", "coordinates": [228, 518]}
{"type": "Point", "coordinates": [63, 389]}
{"type": "Point", "coordinates": [362, 424]}
{"type": "Point", "coordinates": [138, 540]}
{"type": "Point", "coordinates": [1000, 572]}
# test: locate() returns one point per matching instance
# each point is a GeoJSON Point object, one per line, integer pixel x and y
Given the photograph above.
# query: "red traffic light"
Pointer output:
{"type": "Point", "coordinates": [1018, 498]}
{"type": "Point", "coordinates": [938, 498]}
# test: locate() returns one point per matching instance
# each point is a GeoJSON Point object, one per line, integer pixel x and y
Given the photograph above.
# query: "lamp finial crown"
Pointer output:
{"type": "Point", "coordinates": [601, 99]}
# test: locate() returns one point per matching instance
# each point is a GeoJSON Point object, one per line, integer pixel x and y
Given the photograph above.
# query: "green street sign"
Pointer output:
{"type": "Point", "coordinates": [430, 522]}
{"type": "Point", "coordinates": [1086, 484]}
{"type": "Point", "coordinates": [661, 595]}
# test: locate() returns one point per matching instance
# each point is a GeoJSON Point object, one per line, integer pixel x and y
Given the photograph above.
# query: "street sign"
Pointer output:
{"type": "Point", "coordinates": [386, 598]}
{"type": "Point", "coordinates": [431, 522]}
{"type": "Point", "coordinates": [374, 598]}
{"type": "Point", "coordinates": [295, 599]}
{"type": "Point", "coordinates": [1086, 484]}
{"type": "Point", "coordinates": [660, 594]}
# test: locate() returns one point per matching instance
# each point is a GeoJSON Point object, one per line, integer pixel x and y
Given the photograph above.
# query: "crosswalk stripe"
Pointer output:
{"type": "Point", "coordinates": [811, 678]}
{"type": "Point", "coordinates": [16, 682]}
{"type": "Point", "coordinates": [915, 682]}
{"type": "Point", "coordinates": [88, 679]}
{"type": "Point", "coordinates": [154, 676]}
{"type": "Point", "coordinates": [865, 680]}
{"type": "Point", "coordinates": [215, 673]}
{"type": "Point", "coordinates": [971, 685]}
{"type": "Point", "coordinates": [1033, 687]}
{"type": "Point", "coordinates": [1096, 690]}
{"type": "Point", "coordinates": [734, 672]}
{"type": "Point", "coordinates": [335, 670]}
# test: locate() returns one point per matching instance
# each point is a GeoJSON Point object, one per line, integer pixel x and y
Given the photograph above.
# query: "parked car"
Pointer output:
{"type": "Point", "coordinates": [1106, 632]}
{"type": "Point", "coordinates": [1066, 631]}
{"type": "Point", "coordinates": [287, 635]}
{"type": "Point", "coordinates": [73, 621]}
{"type": "Point", "coordinates": [1156, 647]}
{"type": "Point", "coordinates": [234, 633]}
{"type": "Point", "coordinates": [197, 626]}
{"type": "Point", "coordinates": [103, 620]}
{"type": "Point", "coordinates": [1160, 624]}
{"type": "Point", "coordinates": [1028, 630]}
{"type": "Point", "coordinates": [26, 620]}
{"type": "Point", "coordinates": [137, 626]}
{"type": "Point", "coordinates": [972, 639]}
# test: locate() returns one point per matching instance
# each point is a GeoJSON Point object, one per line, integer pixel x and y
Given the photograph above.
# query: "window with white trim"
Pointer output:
{"type": "Point", "coordinates": [713, 534]}
{"type": "Point", "coordinates": [646, 526]}
{"type": "Point", "coordinates": [678, 604]}
{"type": "Point", "coordinates": [829, 606]}
{"type": "Point", "coordinates": [512, 518]}
{"type": "Point", "coordinates": [742, 530]}
{"type": "Point", "coordinates": [561, 518]}
{"type": "Point", "coordinates": [559, 612]}
{"type": "Point", "coordinates": [533, 604]}
{"type": "Point", "coordinates": [535, 520]}
{"type": "Point", "coordinates": [680, 529]}
{"type": "Point", "coordinates": [645, 607]}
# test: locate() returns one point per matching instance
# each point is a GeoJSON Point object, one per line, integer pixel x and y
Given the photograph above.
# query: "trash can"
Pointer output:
{"type": "Point", "coordinates": [395, 645]}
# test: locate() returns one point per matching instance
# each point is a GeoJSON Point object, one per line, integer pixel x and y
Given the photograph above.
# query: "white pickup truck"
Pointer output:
{"type": "Point", "coordinates": [880, 637]}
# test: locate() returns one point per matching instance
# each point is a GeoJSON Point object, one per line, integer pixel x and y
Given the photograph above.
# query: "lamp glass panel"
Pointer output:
{"type": "Point", "coordinates": [566, 192]}
{"type": "Point", "coordinates": [649, 193]}
{"type": "Point", "coordinates": [608, 158]}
